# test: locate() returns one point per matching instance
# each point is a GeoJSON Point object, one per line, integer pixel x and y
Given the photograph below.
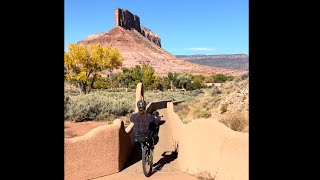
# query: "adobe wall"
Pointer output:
{"type": "Point", "coordinates": [208, 145]}
{"type": "Point", "coordinates": [100, 152]}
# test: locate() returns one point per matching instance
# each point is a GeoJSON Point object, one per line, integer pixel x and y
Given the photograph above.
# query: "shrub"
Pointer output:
{"type": "Point", "coordinates": [244, 76]}
{"type": "Point", "coordinates": [221, 78]}
{"type": "Point", "coordinates": [224, 108]}
{"type": "Point", "coordinates": [99, 105]}
{"type": "Point", "coordinates": [195, 92]}
{"type": "Point", "coordinates": [193, 85]}
{"type": "Point", "coordinates": [66, 105]}
{"type": "Point", "coordinates": [70, 87]}
{"type": "Point", "coordinates": [236, 122]}
{"type": "Point", "coordinates": [215, 91]}
{"type": "Point", "coordinates": [100, 84]}
{"type": "Point", "coordinates": [188, 96]}
{"type": "Point", "coordinates": [182, 110]}
{"type": "Point", "coordinates": [202, 113]}
{"type": "Point", "coordinates": [186, 121]}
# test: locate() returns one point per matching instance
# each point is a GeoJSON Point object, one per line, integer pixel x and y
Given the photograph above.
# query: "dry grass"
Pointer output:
{"type": "Point", "coordinates": [182, 110]}
{"type": "Point", "coordinates": [229, 103]}
{"type": "Point", "coordinates": [70, 88]}
{"type": "Point", "coordinates": [224, 108]}
{"type": "Point", "coordinates": [236, 122]}
{"type": "Point", "coordinates": [215, 91]}
{"type": "Point", "coordinates": [202, 113]}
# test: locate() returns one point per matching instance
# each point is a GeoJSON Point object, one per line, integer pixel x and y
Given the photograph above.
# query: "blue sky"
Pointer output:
{"type": "Point", "coordinates": [185, 27]}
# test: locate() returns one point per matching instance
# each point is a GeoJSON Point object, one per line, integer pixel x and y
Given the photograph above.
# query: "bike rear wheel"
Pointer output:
{"type": "Point", "coordinates": [147, 161]}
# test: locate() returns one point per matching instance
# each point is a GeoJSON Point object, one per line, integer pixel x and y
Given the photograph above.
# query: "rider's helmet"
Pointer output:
{"type": "Point", "coordinates": [141, 105]}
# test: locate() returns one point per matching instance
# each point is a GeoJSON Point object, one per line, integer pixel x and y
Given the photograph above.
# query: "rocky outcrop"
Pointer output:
{"type": "Point", "coordinates": [127, 20]}
{"type": "Point", "coordinates": [151, 36]}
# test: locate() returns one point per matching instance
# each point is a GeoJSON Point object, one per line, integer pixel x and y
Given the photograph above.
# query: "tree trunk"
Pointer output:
{"type": "Point", "coordinates": [79, 86]}
{"type": "Point", "coordinates": [82, 87]}
{"type": "Point", "coordinates": [91, 85]}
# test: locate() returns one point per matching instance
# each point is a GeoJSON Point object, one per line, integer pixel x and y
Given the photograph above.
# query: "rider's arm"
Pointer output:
{"type": "Point", "coordinates": [132, 119]}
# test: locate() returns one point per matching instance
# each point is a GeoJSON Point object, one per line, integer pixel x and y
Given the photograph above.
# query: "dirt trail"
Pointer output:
{"type": "Point", "coordinates": [164, 160]}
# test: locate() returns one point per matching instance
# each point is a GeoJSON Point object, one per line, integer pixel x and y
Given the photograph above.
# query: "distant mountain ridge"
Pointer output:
{"type": "Point", "coordinates": [229, 61]}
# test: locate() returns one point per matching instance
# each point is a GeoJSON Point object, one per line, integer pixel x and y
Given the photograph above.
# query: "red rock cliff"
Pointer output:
{"type": "Point", "coordinates": [127, 20]}
{"type": "Point", "coordinates": [151, 36]}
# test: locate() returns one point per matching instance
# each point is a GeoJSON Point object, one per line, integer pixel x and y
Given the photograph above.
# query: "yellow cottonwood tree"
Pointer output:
{"type": "Point", "coordinates": [85, 63]}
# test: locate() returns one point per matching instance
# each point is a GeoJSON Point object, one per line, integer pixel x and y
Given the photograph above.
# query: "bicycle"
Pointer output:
{"type": "Point", "coordinates": [147, 142]}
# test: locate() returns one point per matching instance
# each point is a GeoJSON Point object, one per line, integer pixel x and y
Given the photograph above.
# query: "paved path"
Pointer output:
{"type": "Point", "coordinates": [164, 160]}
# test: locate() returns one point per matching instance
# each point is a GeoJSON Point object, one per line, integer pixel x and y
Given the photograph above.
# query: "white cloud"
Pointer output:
{"type": "Point", "coordinates": [201, 49]}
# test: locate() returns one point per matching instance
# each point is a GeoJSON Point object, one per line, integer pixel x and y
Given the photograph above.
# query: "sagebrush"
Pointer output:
{"type": "Point", "coordinates": [236, 122]}
{"type": "Point", "coordinates": [103, 105]}
{"type": "Point", "coordinates": [98, 105]}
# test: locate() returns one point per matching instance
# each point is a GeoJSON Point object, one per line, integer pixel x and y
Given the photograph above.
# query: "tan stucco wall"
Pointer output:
{"type": "Point", "coordinates": [208, 145]}
{"type": "Point", "coordinates": [100, 152]}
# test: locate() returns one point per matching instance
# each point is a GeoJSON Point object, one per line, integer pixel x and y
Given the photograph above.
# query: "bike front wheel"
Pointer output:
{"type": "Point", "coordinates": [147, 161]}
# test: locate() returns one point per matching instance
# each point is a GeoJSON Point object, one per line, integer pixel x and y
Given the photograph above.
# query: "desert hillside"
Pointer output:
{"type": "Point", "coordinates": [225, 102]}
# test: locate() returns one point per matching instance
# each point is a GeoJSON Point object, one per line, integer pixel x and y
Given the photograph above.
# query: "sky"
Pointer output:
{"type": "Point", "coordinates": [186, 27]}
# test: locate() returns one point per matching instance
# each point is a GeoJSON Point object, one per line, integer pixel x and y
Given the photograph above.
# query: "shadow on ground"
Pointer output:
{"type": "Point", "coordinates": [167, 157]}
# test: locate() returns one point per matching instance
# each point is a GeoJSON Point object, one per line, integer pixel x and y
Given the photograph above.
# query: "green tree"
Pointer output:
{"type": "Point", "coordinates": [198, 81]}
{"type": "Point", "coordinates": [209, 79]}
{"type": "Point", "coordinates": [85, 63]}
{"type": "Point", "coordinates": [221, 78]}
{"type": "Point", "coordinates": [126, 77]}
{"type": "Point", "coordinates": [174, 82]}
{"type": "Point", "coordinates": [147, 75]}
{"type": "Point", "coordinates": [101, 83]}
{"type": "Point", "coordinates": [157, 83]}
{"type": "Point", "coordinates": [165, 82]}
{"type": "Point", "coordinates": [137, 73]}
{"type": "Point", "coordinates": [184, 79]}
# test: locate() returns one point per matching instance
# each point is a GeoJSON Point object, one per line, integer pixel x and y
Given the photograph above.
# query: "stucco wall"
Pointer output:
{"type": "Point", "coordinates": [208, 145]}
{"type": "Point", "coordinates": [100, 152]}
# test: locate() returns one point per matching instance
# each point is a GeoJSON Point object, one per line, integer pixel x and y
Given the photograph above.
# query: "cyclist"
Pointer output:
{"type": "Point", "coordinates": [144, 123]}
